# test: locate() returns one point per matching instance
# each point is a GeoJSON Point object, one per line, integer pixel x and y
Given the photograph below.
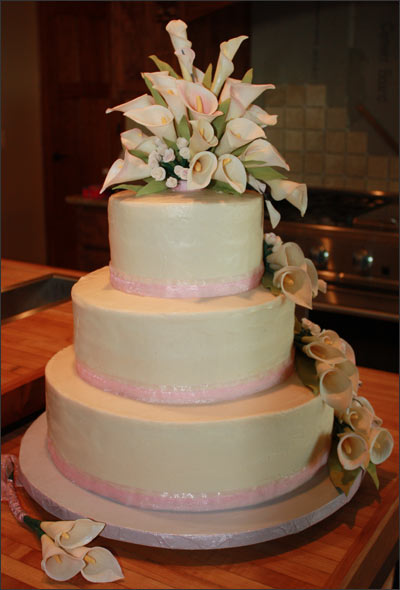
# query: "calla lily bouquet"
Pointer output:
{"type": "Point", "coordinates": [203, 131]}
{"type": "Point", "coordinates": [64, 550]}
{"type": "Point", "coordinates": [326, 364]}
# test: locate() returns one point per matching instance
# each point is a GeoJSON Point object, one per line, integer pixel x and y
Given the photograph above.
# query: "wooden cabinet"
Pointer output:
{"type": "Point", "coordinates": [92, 56]}
{"type": "Point", "coordinates": [92, 245]}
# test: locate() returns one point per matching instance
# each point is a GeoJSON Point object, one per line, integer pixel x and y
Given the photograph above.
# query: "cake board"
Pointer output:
{"type": "Point", "coordinates": [289, 514]}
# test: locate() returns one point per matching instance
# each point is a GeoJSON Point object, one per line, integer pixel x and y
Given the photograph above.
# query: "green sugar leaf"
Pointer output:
{"type": "Point", "coordinates": [171, 144]}
{"type": "Point", "coordinates": [163, 66]}
{"type": "Point", "coordinates": [156, 95]}
{"type": "Point", "coordinates": [265, 173]}
{"type": "Point", "coordinates": [128, 187]}
{"type": "Point", "coordinates": [139, 154]}
{"type": "Point", "coordinates": [183, 129]}
{"type": "Point", "coordinates": [305, 367]}
{"type": "Point", "coordinates": [267, 282]}
{"type": "Point", "coordinates": [223, 187]}
{"type": "Point", "coordinates": [341, 478]}
{"type": "Point", "coordinates": [251, 163]}
{"type": "Point", "coordinates": [207, 77]}
{"type": "Point", "coordinates": [248, 77]}
{"type": "Point", "coordinates": [372, 471]}
{"type": "Point", "coordinates": [154, 186]}
{"type": "Point", "coordinates": [238, 151]}
{"type": "Point", "coordinates": [219, 122]}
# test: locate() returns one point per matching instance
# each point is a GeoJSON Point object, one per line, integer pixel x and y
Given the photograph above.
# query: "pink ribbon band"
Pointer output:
{"type": "Point", "coordinates": [158, 394]}
{"type": "Point", "coordinates": [185, 289]}
{"type": "Point", "coordinates": [181, 502]}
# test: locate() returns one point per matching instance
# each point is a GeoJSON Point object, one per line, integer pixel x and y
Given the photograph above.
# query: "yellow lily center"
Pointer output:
{"type": "Point", "coordinates": [57, 558]}
{"type": "Point", "coordinates": [89, 559]}
{"type": "Point", "coordinates": [65, 536]}
{"type": "Point", "coordinates": [201, 131]}
{"type": "Point", "coordinates": [289, 282]}
{"type": "Point", "coordinates": [236, 135]}
{"type": "Point", "coordinates": [226, 161]}
{"type": "Point", "coordinates": [377, 446]}
{"type": "Point", "coordinates": [347, 447]}
{"type": "Point", "coordinates": [199, 104]}
{"type": "Point", "coordinates": [198, 167]}
{"type": "Point", "coordinates": [163, 121]}
{"type": "Point", "coordinates": [169, 91]}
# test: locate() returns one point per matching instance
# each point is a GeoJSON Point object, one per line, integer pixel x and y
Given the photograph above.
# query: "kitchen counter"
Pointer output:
{"type": "Point", "coordinates": [355, 547]}
{"type": "Point", "coordinates": [29, 342]}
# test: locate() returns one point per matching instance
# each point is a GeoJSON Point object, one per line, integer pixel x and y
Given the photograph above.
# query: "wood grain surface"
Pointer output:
{"type": "Point", "coordinates": [353, 548]}
{"type": "Point", "coordinates": [28, 343]}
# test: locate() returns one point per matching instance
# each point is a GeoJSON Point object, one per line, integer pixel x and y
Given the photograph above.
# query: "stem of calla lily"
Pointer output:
{"type": "Point", "coordinates": [34, 525]}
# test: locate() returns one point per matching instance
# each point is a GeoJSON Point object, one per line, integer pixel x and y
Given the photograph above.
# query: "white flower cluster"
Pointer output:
{"type": "Point", "coordinates": [295, 275]}
{"type": "Point", "coordinates": [163, 154]}
{"type": "Point", "coordinates": [363, 439]}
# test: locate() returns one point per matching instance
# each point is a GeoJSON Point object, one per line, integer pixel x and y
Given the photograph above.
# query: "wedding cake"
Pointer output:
{"type": "Point", "coordinates": [190, 385]}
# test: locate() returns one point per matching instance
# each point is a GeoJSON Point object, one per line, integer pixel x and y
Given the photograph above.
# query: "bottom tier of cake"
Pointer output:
{"type": "Point", "coordinates": [193, 457]}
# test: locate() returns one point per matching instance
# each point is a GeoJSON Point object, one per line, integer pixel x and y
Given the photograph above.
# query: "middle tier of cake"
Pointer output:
{"type": "Point", "coordinates": [180, 351]}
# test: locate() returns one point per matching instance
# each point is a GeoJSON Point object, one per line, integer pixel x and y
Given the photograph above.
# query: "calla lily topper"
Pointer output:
{"type": "Point", "coordinates": [202, 131]}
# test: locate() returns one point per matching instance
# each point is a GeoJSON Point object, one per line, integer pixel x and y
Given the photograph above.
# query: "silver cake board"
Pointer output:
{"type": "Point", "coordinates": [286, 515]}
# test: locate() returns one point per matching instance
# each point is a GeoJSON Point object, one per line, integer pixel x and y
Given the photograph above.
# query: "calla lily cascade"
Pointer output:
{"type": "Point", "coordinates": [203, 131]}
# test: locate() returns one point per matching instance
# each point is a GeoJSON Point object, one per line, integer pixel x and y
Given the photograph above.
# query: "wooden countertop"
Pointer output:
{"type": "Point", "coordinates": [347, 550]}
{"type": "Point", "coordinates": [28, 343]}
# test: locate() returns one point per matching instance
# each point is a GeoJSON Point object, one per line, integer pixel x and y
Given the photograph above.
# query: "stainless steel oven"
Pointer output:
{"type": "Point", "coordinates": [352, 239]}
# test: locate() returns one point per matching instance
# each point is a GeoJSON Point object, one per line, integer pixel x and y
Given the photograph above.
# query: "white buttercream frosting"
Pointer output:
{"type": "Point", "coordinates": [184, 449]}
{"type": "Point", "coordinates": [185, 236]}
{"type": "Point", "coordinates": [208, 342]}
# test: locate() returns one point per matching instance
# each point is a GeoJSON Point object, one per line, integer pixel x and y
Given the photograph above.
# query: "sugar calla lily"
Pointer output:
{"type": "Point", "coordinates": [256, 184]}
{"type": "Point", "coordinates": [259, 116]}
{"type": "Point", "coordinates": [69, 534]}
{"type": "Point", "coordinates": [352, 451]}
{"type": "Point", "coordinates": [274, 215]}
{"type": "Point", "coordinates": [322, 352]}
{"type": "Point", "coordinates": [156, 118]}
{"type": "Point", "coordinates": [203, 136]}
{"type": "Point", "coordinates": [317, 284]}
{"type": "Point", "coordinates": [351, 371]}
{"type": "Point", "coordinates": [288, 254]}
{"type": "Point", "coordinates": [295, 284]}
{"type": "Point", "coordinates": [57, 563]}
{"type": "Point", "coordinates": [365, 403]}
{"type": "Point", "coordinates": [166, 86]}
{"type": "Point", "coordinates": [99, 564]}
{"type": "Point", "coordinates": [135, 139]}
{"type": "Point", "coordinates": [130, 168]}
{"type": "Point", "coordinates": [293, 192]}
{"type": "Point", "coordinates": [137, 103]}
{"type": "Point", "coordinates": [242, 95]}
{"type": "Point", "coordinates": [238, 132]}
{"type": "Point", "coordinates": [264, 152]}
{"type": "Point", "coordinates": [331, 337]}
{"type": "Point", "coordinates": [201, 102]}
{"type": "Point", "coordinates": [359, 418]}
{"type": "Point", "coordinates": [231, 171]}
{"type": "Point", "coordinates": [336, 390]}
{"type": "Point", "coordinates": [202, 167]}
{"type": "Point", "coordinates": [380, 445]}
{"type": "Point", "coordinates": [225, 66]}
{"type": "Point", "coordinates": [180, 43]}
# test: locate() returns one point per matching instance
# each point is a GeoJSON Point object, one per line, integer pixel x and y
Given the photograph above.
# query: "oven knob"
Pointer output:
{"type": "Point", "coordinates": [363, 260]}
{"type": "Point", "coordinates": [320, 256]}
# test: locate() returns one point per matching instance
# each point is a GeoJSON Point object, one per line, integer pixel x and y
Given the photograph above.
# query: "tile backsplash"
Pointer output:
{"type": "Point", "coordinates": [319, 145]}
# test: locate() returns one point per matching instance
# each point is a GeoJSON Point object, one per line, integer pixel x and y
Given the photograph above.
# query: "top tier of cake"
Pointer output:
{"type": "Point", "coordinates": [193, 244]}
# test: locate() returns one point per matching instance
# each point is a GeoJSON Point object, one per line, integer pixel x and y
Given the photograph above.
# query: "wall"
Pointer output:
{"type": "Point", "coordinates": [327, 58]}
{"type": "Point", "coordinates": [23, 228]}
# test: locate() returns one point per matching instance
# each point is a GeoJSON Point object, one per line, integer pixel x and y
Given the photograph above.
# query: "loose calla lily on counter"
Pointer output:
{"type": "Point", "coordinates": [216, 116]}
{"type": "Point", "coordinates": [327, 365]}
{"type": "Point", "coordinates": [64, 553]}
